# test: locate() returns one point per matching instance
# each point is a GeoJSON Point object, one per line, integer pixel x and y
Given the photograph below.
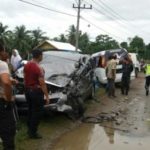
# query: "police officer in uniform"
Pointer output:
{"type": "Point", "coordinates": [35, 89]}
{"type": "Point", "coordinates": [7, 116]}
{"type": "Point", "coordinates": [147, 78]}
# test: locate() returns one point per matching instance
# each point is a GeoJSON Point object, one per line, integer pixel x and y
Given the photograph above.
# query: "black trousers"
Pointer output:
{"type": "Point", "coordinates": [35, 100]}
{"type": "Point", "coordinates": [111, 87]}
{"type": "Point", "coordinates": [125, 84]}
{"type": "Point", "coordinates": [147, 83]}
{"type": "Point", "coordinates": [7, 125]}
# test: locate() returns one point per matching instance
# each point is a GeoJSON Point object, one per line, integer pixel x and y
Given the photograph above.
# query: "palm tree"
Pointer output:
{"type": "Point", "coordinates": [71, 35]}
{"type": "Point", "coordinates": [84, 42]}
{"type": "Point", "coordinates": [5, 35]}
{"type": "Point", "coordinates": [37, 37]}
{"type": "Point", "coordinates": [62, 38]}
{"type": "Point", "coordinates": [22, 39]}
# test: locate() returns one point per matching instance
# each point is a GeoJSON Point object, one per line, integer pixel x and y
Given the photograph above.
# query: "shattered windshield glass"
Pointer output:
{"type": "Point", "coordinates": [59, 65]}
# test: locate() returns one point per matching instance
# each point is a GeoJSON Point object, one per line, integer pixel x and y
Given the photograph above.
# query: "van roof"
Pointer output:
{"type": "Point", "coordinates": [121, 50]}
{"type": "Point", "coordinates": [133, 56]}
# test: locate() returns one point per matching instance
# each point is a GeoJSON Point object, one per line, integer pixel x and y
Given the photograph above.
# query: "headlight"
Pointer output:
{"type": "Point", "coordinates": [71, 83]}
{"type": "Point", "coordinates": [62, 99]}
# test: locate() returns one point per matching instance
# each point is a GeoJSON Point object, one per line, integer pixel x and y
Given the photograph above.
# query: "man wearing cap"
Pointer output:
{"type": "Point", "coordinates": [7, 116]}
{"type": "Point", "coordinates": [35, 89]}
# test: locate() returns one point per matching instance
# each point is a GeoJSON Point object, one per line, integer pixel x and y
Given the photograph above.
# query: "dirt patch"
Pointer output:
{"type": "Point", "coordinates": [133, 115]}
{"type": "Point", "coordinates": [130, 128]}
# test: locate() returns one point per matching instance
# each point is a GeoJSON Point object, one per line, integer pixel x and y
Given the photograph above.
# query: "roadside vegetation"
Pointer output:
{"type": "Point", "coordinates": [25, 40]}
{"type": "Point", "coordinates": [52, 126]}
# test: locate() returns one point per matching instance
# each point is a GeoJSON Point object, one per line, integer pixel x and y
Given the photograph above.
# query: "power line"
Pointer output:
{"type": "Point", "coordinates": [96, 26]}
{"type": "Point", "coordinates": [36, 5]}
{"type": "Point", "coordinates": [60, 12]}
{"type": "Point", "coordinates": [110, 16]}
{"type": "Point", "coordinates": [106, 24]}
{"type": "Point", "coordinates": [112, 10]}
{"type": "Point", "coordinates": [101, 28]}
{"type": "Point", "coordinates": [72, 1]}
{"type": "Point", "coordinates": [104, 14]}
{"type": "Point", "coordinates": [124, 20]}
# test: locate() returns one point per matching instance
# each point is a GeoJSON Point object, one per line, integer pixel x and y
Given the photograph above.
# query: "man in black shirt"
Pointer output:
{"type": "Point", "coordinates": [127, 67]}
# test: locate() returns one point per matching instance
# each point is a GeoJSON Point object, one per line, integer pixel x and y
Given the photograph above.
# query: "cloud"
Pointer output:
{"type": "Point", "coordinates": [131, 9]}
{"type": "Point", "coordinates": [135, 13]}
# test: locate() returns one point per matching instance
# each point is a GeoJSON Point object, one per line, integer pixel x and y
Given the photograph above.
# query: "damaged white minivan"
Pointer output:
{"type": "Point", "coordinates": [68, 79]}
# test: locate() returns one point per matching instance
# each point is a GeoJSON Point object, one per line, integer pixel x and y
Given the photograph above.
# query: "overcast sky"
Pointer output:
{"type": "Point", "coordinates": [119, 19]}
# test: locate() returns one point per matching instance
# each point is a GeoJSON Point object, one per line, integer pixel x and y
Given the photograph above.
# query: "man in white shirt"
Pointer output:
{"type": "Point", "coordinates": [7, 118]}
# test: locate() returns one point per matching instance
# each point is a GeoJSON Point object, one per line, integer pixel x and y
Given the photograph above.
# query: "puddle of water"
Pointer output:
{"type": "Point", "coordinates": [104, 137]}
{"type": "Point", "coordinates": [96, 137]}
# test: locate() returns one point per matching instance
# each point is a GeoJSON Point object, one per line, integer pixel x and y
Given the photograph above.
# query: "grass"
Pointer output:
{"type": "Point", "coordinates": [51, 127]}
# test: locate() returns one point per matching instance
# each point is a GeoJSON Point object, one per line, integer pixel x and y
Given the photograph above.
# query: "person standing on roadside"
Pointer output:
{"type": "Point", "coordinates": [147, 78]}
{"type": "Point", "coordinates": [7, 116]}
{"type": "Point", "coordinates": [35, 89]}
{"type": "Point", "coordinates": [111, 75]}
{"type": "Point", "coordinates": [127, 67]}
{"type": "Point", "coordinates": [15, 59]}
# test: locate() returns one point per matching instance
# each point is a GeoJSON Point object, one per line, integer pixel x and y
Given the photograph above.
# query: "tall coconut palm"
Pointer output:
{"type": "Point", "coordinates": [84, 42]}
{"type": "Point", "coordinates": [71, 35]}
{"type": "Point", "coordinates": [4, 34]}
{"type": "Point", "coordinates": [22, 39]}
{"type": "Point", "coordinates": [62, 38]}
{"type": "Point", "coordinates": [37, 36]}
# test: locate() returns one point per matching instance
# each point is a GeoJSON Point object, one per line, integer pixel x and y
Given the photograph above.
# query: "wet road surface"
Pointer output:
{"type": "Point", "coordinates": [95, 137]}
{"type": "Point", "coordinates": [131, 130]}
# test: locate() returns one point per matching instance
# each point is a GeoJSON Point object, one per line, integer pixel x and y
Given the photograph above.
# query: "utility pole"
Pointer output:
{"type": "Point", "coordinates": [79, 7]}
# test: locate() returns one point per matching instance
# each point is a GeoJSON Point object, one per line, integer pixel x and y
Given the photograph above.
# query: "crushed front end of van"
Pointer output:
{"type": "Point", "coordinates": [68, 77]}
